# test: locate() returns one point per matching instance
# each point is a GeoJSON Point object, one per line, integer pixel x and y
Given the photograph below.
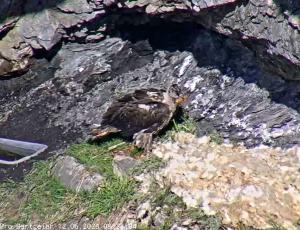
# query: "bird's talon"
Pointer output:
{"type": "Point", "coordinates": [144, 141]}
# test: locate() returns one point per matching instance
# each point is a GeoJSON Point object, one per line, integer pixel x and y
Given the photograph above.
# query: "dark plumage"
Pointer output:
{"type": "Point", "coordinates": [140, 115]}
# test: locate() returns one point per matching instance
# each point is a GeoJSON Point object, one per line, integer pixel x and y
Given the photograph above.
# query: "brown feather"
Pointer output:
{"type": "Point", "coordinates": [141, 110]}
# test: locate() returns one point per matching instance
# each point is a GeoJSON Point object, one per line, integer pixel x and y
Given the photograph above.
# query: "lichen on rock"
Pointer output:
{"type": "Point", "coordinates": [253, 186]}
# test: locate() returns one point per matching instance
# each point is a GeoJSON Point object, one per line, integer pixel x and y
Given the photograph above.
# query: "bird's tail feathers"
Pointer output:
{"type": "Point", "coordinates": [99, 133]}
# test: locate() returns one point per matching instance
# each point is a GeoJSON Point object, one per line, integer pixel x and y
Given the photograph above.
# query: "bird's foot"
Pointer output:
{"type": "Point", "coordinates": [94, 135]}
{"type": "Point", "coordinates": [143, 140]}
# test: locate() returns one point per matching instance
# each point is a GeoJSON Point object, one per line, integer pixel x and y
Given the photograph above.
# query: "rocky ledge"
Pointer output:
{"type": "Point", "coordinates": [59, 101]}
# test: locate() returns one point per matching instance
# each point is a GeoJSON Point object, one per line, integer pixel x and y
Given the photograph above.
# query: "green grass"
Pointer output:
{"type": "Point", "coordinates": [114, 194]}
{"type": "Point", "coordinates": [148, 164]}
{"type": "Point", "coordinates": [136, 152]}
{"type": "Point", "coordinates": [115, 191]}
{"type": "Point", "coordinates": [205, 221]}
{"type": "Point", "coordinates": [7, 188]}
{"type": "Point", "coordinates": [47, 194]}
{"type": "Point", "coordinates": [276, 226]}
{"type": "Point", "coordinates": [169, 202]}
{"type": "Point", "coordinates": [186, 124]}
{"type": "Point", "coordinates": [97, 157]}
{"type": "Point", "coordinates": [44, 198]}
{"type": "Point", "coordinates": [183, 123]}
{"type": "Point", "coordinates": [216, 137]}
{"type": "Point", "coordinates": [40, 196]}
{"type": "Point", "coordinates": [166, 197]}
{"type": "Point", "coordinates": [143, 227]}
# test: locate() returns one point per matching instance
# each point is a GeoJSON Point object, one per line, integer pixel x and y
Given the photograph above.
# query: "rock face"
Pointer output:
{"type": "Point", "coordinates": [30, 26]}
{"type": "Point", "coordinates": [228, 91]}
{"type": "Point", "coordinates": [251, 186]}
{"type": "Point", "coordinates": [269, 28]}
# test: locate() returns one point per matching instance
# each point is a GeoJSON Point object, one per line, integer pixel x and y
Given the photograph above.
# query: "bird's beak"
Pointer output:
{"type": "Point", "coordinates": [180, 100]}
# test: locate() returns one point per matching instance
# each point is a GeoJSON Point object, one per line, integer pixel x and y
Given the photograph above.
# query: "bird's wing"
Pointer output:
{"type": "Point", "coordinates": [139, 94]}
{"type": "Point", "coordinates": [136, 116]}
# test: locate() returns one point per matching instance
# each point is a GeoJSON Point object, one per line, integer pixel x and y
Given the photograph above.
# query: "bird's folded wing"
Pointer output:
{"type": "Point", "coordinates": [134, 117]}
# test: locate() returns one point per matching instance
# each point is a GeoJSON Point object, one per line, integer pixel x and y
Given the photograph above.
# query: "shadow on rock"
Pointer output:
{"type": "Point", "coordinates": [213, 50]}
{"type": "Point", "coordinates": [293, 6]}
{"type": "Point", "coordinates": [13, 8]}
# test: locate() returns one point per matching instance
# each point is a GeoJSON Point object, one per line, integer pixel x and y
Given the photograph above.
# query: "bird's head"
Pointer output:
{"type": "Point", "coordinates": [174, 92]}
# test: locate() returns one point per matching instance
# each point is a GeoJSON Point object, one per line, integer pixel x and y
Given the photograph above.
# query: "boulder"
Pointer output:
{"type": "Point", "coordinates": [74, 175]}
{"type": "Point", "coordinates": [123, 165]}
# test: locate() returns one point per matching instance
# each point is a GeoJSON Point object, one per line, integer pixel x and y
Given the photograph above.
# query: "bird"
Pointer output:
{"type": "Point", "coordinates": [140, 115]}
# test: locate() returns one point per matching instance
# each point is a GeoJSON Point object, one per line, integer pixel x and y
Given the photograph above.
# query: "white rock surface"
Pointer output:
{"type": "Point", "coordinates": [248, 185]}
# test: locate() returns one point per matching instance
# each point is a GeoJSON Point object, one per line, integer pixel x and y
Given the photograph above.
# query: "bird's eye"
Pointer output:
{"type": "Point", "coordinates": [157, 98]}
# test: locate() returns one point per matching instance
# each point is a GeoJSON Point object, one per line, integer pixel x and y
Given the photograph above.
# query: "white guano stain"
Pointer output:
{"type": "Point", "coordinates": [186, 62]}
{"type": "Point", "coordinates": [191, 84]}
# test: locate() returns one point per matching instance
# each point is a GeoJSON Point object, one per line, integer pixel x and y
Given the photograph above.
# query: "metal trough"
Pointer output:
{"type": "Point", "coordinates": [27, 150]}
